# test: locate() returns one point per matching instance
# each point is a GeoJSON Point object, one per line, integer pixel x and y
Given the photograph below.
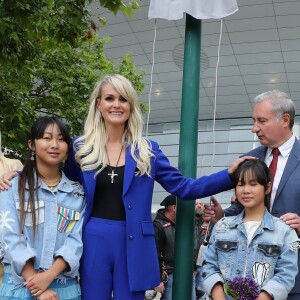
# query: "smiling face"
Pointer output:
{"type": "Point", "coordinates": [115, 109]}
{"type": "Point", "coordinates": [50, 149]}
{"type": "Point", "coordinates": [270, 131]}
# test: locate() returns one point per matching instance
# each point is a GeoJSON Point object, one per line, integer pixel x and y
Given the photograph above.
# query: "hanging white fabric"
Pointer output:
{"type": "Point", "coordinates": [199, 9]}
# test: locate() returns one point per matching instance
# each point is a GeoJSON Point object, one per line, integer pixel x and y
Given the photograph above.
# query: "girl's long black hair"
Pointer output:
{"type": "Point", "coordinates": [30, 173]}
{"type": "Point", "coordinates": [258, 170]}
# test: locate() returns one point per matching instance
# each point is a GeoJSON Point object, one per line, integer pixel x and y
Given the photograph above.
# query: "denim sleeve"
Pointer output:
{"type": "Point", "coordinates": [211, 272]}
{"type": "Point", "coordinates": [71, 250]}
{"type": "Point", "coordinates": [14, 246]}
{"type": "Point", "coordinates": [173, 181]}
{"type": "Point", "coordinates": [286, 268]}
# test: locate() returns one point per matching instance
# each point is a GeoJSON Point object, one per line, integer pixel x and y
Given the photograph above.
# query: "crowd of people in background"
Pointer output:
{"type": "Point", "coordinates": [97, 209]}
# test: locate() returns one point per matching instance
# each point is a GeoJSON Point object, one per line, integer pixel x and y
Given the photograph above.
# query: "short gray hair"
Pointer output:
{"type": "Point", "coordinates": [281, 104]}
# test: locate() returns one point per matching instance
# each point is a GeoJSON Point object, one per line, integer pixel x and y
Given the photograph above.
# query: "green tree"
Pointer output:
{"type": "Point", "coordinates": [56, 82]}
{"type": "Point", "coordinates": [50, 58]}
{"type": "Point", "coordinates": [27, 26]}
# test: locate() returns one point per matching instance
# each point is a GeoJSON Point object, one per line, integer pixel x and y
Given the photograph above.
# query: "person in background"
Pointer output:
{"type": "Point", "coordinates": [117, 167]}
{"type": "Point", "coordinates": [7, 165]}
{"type": "Point", "coordinates": [41, 222]}
{"type": "Point", "coordinates": [273, 117]}
{"type": "Point", "coordinates": [202, 231]}
{"type": "Point", "coordinates": [199, 235]}
{"type": "Point", "coordinates": [164, 228]}
{"type": "Point", "coordinates": [254, 244]}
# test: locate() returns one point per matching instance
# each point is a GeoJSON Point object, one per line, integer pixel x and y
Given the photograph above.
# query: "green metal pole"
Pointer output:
{"type": "Point", "coordinates": [184, 233]}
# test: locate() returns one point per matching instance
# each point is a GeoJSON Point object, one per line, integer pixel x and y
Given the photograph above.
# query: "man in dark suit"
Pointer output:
{"type": "Point", "coordinates": [273, 117]}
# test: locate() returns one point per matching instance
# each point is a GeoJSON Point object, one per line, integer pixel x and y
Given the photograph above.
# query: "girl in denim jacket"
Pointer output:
{"type": "Point", "coordinates": [40, 222]}
{"type": "Point", "coordinates": [253, 244]}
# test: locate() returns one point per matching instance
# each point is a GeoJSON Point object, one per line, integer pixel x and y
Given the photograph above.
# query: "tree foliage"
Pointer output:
{"type": "Point", "coordinates": [26, 26]}
{"type": "Point", "coordinates": [57, 82]}
{"type": "Point", "coordinates": [50, 60]}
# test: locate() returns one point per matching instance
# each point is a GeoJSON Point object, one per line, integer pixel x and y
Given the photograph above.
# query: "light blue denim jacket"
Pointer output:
{"type": "Point", "coordinates": [270, 258]}
{"type": "Point", "coordinates": [59, 228]}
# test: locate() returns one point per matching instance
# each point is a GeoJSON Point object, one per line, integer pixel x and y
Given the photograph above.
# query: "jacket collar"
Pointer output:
{"type": "Point", "coordinates": [267, 221]}
{"type": "Point", "coordinates": [130, 166]}
{"type": "Point", "coordinates": [65, 184]}
{"type": "Point", "coordinates": [291, 164]}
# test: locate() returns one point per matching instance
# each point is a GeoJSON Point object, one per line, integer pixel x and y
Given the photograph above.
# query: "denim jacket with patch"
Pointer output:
{"type": "Point", "coordinates": [270, 258]}
{"type": "Point", "coordinates": [59, 218]}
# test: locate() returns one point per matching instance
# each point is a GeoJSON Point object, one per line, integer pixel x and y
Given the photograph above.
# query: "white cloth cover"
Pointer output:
{"type": "Point", "coordinates": [199, 9]}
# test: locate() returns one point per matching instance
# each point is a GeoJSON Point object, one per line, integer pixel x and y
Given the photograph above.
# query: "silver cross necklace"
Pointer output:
{"type": "Point", "coordinates": [113, 174]}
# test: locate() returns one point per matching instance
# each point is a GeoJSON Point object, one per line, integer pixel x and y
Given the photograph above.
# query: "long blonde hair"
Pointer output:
{"type": "Point", "coordinates": [90, 148]}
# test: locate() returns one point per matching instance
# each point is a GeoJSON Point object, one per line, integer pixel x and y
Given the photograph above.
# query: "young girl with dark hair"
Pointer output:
{"type": "Point", "coordinates": [253, 244]}
{"type": "Point", "coordinates": [41, 221]}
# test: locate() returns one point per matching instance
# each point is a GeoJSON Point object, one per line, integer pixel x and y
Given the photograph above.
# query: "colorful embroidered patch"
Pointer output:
{"type": "Point", "coordinates": [66, 219]}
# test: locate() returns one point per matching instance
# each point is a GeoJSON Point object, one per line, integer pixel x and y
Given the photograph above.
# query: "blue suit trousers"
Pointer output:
{"type": "Point", "coordinates": [104, 273]}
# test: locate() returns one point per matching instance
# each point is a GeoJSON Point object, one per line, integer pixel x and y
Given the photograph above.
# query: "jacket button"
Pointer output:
{"type": "Point", "coordinates": [129, 206]}
{"type": "Point", "coordinates": [238, 271]}
{"type": "Point", "coordinates": [131, 237]}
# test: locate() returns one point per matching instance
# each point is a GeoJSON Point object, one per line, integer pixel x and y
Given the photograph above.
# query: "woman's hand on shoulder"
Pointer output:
{"type": "Point", "coordinates": [6, 178]}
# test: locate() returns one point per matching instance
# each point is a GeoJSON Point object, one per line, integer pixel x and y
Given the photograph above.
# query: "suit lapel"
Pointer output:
{"type": "Point", "coordinates": [291, 164]}
{"type": "Point", "coordinates": [130, 165]}
{"type": "Point", "coordinates": [261, 153]}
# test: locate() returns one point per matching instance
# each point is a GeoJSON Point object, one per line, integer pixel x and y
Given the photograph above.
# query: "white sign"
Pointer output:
{"type": "Point", "coordinates": [199, 9]}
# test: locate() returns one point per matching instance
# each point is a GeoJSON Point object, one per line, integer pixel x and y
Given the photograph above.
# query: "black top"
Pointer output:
{"type": "Point", "coordinates": [108, 202]}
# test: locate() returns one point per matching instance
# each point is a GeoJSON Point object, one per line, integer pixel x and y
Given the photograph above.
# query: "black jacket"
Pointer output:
{"type": "Point", "coordinates": [165, 243]}
{"type": "Point", "coordinates": [200, 230]}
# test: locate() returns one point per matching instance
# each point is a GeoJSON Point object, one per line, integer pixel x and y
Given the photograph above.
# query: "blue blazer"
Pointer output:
{"type": "Point", "coordinates": [143, 267]}
{"type": "Point", "coordinates": [287, 198]}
